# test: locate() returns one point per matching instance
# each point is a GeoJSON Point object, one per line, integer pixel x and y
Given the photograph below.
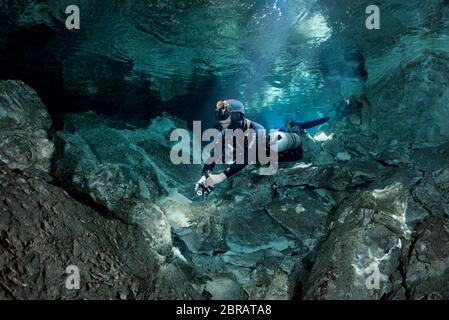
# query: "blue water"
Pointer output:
{"type": "Point", "coordinates": [285, 59]}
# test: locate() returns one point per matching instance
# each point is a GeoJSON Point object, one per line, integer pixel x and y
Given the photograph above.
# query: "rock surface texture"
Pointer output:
{"type": "Point", "coordinates": [24, 125]}
{"type": "Point", "coordinates": [43, 231]}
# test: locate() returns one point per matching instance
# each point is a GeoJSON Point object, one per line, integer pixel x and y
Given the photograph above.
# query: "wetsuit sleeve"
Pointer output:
{"type": "Point", "coordinates": [209, 166]}
{"type": "Point", "coordinates": [234, 168]}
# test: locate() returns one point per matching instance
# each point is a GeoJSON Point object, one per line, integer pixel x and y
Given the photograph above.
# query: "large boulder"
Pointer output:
{"type": "Point", "coordinates": [427, 267]}
{"type": "Point", "coordinates": [123, 168]}
{"type": "Point", "coordinates": [24, 125]}
{"type": "Point", "coordinates": [367, 237]}
{"type": "Point", "coordinates": [43, 231]}
{"type": "Point", "coordinates": [386, 241]}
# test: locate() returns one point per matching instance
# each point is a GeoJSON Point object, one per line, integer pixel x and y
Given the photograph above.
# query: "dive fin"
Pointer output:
{"type": "Point", "coordinates": [296, 126]}
{"type": "Point", "coordinates": [311, 124]}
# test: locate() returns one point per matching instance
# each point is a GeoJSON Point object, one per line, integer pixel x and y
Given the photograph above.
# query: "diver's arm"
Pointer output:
{"type": "Point", "coordinates": [218, 178]}
{"type": "Point", "coordinates": [210, 163]}
{"type": "Point", "coordinates": [234, 168]}
{"type": "Point", "coordinates": [214, 179]}
{"type": "Point", "coordinates": [209, 166]}
{"type": "Point", "coordinates": [208, 178]}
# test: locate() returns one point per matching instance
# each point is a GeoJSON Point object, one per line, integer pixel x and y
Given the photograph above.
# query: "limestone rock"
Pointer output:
{"type": "Point", "coordinates": [343, 156]}
{"type": "Point", "coordinates": [24, 125]}
{"type": "Point", "coordinates": [367, 238]}
{"type": "Point", "coordinates": [253, 231]}
{"type": "Point", "coordinates": [43, 231]}
{"type": "Point", "coordinates": [427, 264]}
{"type": "Point", "coordinates": [119, 167]}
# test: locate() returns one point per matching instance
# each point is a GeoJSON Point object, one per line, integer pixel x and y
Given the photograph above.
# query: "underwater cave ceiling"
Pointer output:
{"type": "Point", "coordinates": [141, 57]}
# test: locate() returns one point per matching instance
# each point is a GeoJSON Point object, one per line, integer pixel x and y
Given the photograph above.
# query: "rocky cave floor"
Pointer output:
{"type": "Point", "coordinates": [104, 196]}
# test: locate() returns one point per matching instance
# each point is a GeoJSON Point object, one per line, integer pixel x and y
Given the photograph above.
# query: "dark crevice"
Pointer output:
{"type": "Point", "coordinates": [403, 271]}
{"type": "Point", "coordinates": [298, 292]}
{"type": "Point", "coordinates": [86, 200]}
{"type": "Point", "coordinates": [405, 259]}
{"type": "Point", "coordinates": [63, 181]}
{"type": "Point", "coordinates": [306, 265]}
{"type": "Point", "coordinates": [387, 165]}
{"type": "Point", "coordinates": [290, 234]}
{"type": "Point", "coordinates": [417, 200]}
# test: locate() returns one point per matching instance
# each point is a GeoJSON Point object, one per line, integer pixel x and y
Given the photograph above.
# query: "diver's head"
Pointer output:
{"type": "Point", "coordinates": [230, 113]}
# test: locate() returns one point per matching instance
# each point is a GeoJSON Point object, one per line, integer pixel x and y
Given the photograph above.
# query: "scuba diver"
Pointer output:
{"type": "Point", "coordinates": [230, 114]}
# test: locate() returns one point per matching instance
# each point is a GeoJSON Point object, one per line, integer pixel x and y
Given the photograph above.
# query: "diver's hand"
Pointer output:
{"type": "Point", "coordinates": [215, 179]}
{"type": "Point", "coordinates": [201, 181]}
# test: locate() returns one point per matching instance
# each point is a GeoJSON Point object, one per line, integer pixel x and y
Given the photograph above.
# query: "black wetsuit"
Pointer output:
{"type": "Point", "coordinates": [262, 137]}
